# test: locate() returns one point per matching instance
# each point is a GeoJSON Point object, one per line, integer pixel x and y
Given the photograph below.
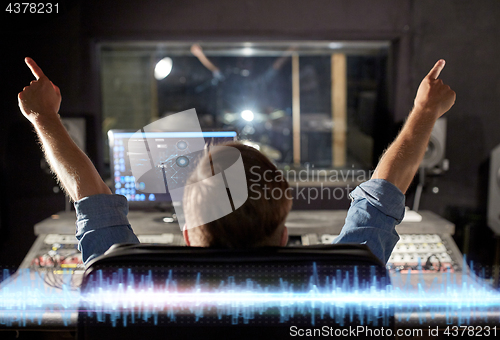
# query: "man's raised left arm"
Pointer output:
{"type": "Point", "coordinates": [101, 217]}
{"type": "Point", "coordinates": [39, 102]}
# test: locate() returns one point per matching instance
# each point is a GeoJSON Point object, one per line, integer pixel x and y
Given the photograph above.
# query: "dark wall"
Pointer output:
{"type": "Point", "coordinates": [463, 33]}
{"type": "Point", "coordinates": [28, 190]}
{"type": "Point", "coordinates": [466, 35]}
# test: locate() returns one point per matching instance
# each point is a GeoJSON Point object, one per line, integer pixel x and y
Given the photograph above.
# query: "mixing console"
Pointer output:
{"type": "Point", "coordinates": [435, 252]}
{"type": "Point", "coordinates": [58, 254]}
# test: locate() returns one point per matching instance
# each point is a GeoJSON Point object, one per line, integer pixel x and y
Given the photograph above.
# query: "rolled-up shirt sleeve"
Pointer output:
{"type": "Point", "coordinates": [101, 222]}
{"type": "Point", "coordinates": [377, 207]}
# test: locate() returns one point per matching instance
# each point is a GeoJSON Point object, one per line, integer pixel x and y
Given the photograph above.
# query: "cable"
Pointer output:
{"type": "Point", "coordinates": [51, 277]}
{"type": "Point", "coordinates": [420, 187]}
{"type": "Point", "coordinates": [429, 265]}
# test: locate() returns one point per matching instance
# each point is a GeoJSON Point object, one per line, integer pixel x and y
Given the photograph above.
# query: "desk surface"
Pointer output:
{"type": "Point", "coordinates": [298, 221]}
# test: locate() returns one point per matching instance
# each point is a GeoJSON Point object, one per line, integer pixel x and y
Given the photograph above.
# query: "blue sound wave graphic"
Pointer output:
{"type": "Point", "coordinates": [24, 296]}
{"type": "Point", "coordinates": [124, 296]}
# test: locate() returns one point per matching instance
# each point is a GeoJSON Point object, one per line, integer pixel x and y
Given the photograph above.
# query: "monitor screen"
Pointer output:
{"type": "Point", "coordinates": [124, 183]}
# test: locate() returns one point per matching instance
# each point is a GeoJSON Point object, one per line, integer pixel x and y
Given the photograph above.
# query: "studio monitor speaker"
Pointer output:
{"type": "Point", "coordinates": [434, 158]}
{"type": "Point", "coordinates": [494, 191]}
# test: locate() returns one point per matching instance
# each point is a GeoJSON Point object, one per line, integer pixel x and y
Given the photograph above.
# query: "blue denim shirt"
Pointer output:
{"type": "Point", "coordinates": [376, 207]}
{"type": "Point", "coordinates": [101, 221]}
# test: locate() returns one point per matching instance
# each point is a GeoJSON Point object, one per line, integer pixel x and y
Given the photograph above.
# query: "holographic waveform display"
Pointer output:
{"type": "Point", "coordinates": [129, 295]}
{"type": "Point", "coordinates": [24, 296]}
{"type": "Point", "coordinates": [340, 297]}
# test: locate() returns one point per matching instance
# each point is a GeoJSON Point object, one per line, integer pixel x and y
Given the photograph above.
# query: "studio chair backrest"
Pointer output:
{"type": "Point", "coordinates": [158, 292]}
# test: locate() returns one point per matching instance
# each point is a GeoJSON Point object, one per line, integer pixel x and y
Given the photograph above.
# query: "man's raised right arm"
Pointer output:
{"type": "Point", "coordinates": [378, 205]}
{"type": "Point", "coordinates": [400, 162]}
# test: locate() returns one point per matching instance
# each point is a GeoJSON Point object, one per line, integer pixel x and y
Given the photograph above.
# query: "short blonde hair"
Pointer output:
{"type": "Point", "coordinates": [253, 224]}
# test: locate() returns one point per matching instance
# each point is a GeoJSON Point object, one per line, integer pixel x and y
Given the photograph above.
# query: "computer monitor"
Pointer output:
{"type": "Point", "coordinates": [124, 183]}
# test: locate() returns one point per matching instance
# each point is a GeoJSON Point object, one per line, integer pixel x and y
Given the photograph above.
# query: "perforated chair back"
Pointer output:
{"type": "Point", "coordinates": [153, 292]}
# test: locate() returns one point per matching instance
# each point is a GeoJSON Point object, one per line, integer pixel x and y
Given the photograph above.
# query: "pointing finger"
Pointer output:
{"type": "Point", "coordinates": [37, 71]}
{"type": "Point", "coordinates": [436, 70]}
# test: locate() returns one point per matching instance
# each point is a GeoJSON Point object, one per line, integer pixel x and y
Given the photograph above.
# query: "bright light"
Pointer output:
{"type": "Point", "coordinates": [247, 51]}
{"type": "Point", "coordinates": [247, 115]}
{"type": "Point", "coordinates": [335, 45]}
{"type": "Point", "coordinates": [163, 68]}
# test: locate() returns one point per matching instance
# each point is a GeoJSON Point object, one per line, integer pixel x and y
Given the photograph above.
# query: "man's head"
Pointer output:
{"type": "Point", "coordinates": [260, 221]}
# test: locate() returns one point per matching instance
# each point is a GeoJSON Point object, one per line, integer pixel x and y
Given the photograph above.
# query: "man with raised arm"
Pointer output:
{"type": "Point", "coordinates": [39, 102]}
{"type": "Point", "coordinates": [377, 205]}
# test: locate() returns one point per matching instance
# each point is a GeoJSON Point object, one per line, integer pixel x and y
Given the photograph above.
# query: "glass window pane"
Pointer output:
{"type": "Point", "coordinates": [249, 87]}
